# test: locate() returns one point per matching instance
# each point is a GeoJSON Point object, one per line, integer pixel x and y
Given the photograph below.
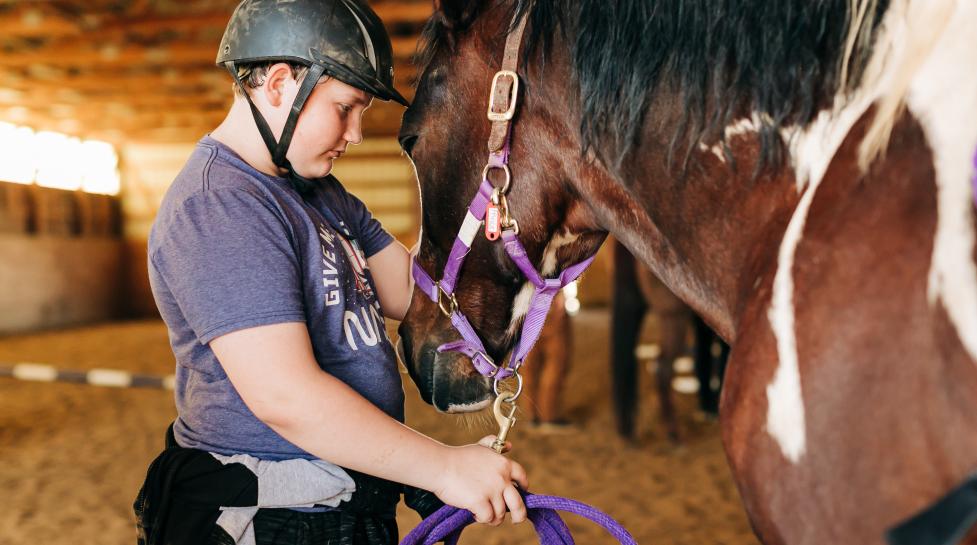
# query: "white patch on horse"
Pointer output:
{"type": "Point", "coordinates": [813, 147]}
{"type": "Point", "coordinates": [811, 150]}
{"type": "Point", "coordinates": [520, 305]}
{"type": "Point", "coordinates": [746, 125]}
{"type": "Point", "coordinates": [785, 402]}
{"type": "Point", "coordinates": [943, 98]}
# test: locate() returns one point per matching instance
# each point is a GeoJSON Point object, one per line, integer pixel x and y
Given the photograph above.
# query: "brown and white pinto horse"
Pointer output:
{"type": "Point", "coordinates": [798, 172]}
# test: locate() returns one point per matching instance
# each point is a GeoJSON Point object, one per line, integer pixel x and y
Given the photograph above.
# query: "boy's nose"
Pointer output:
{"type": "Point", "coordinates": [354, 133]}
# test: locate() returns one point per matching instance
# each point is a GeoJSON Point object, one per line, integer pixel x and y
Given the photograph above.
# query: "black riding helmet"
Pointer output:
{"type": "Point", "coordinates": [343, 39]}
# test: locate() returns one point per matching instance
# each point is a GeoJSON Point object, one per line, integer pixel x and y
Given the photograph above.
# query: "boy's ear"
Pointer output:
{"type": "Point", "coordinates": [274, 85]}
{"type": "Point", "coordinates": [456, 13]}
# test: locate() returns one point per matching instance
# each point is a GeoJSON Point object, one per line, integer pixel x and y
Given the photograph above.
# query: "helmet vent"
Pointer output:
{"type": "Point", "coordinates": [367, 40]}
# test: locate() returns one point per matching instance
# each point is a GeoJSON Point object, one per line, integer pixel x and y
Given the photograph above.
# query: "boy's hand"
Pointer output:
{"type": "Point", "coordinates": [478, 479]}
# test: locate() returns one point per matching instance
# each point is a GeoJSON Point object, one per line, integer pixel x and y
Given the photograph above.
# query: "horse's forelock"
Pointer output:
{"type": "Point", "coordinates": [448, 20]}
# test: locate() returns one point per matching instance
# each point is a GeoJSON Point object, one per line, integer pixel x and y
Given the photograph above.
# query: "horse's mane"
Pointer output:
{"type": "Point", "coordinates": [783, 60]}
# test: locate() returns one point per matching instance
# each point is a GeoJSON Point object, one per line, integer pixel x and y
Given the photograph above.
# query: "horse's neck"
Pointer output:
{"type": "Point", "coordinates": [713, 231]}
{"type": "Point", "coordinates": [707, 235]}
{"type": "Point", "coordinates": [711, 234]}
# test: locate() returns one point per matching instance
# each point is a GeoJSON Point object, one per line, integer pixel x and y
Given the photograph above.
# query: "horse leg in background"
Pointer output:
{"type": "Point", "coordinates": [627, 311]}
{"type": "Point", "coordinates": [708, 365]}
{"type": "Point", "coordinates": [673, 321]}
{"type": "Point", "coordinates": [544, 372]}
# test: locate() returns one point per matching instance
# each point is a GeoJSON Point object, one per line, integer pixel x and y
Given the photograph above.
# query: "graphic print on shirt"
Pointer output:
{"type": "Point", "coordinates": [357, 261]}
{"type": "Point", "coordinates": [330, 272]}
{"type": "Point", "coordinates": [364, 322]}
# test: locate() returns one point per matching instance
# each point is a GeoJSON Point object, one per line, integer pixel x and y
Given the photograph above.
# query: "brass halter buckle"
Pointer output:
{"type": "Point", "coordinates": [446, 301]}
{"type": "Point", "coordinates": [510, 111]}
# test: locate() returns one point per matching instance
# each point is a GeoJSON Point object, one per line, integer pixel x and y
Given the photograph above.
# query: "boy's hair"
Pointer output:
{"type": "Point", "coordinates": [253, 74]}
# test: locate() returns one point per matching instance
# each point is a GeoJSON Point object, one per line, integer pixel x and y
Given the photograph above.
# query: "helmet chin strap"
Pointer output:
{"type": "Point", "coordinates": [278, 149]}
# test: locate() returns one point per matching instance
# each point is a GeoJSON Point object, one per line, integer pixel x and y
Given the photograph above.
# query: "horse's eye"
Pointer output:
{"type": "Point", "coordinates": [407, 142]}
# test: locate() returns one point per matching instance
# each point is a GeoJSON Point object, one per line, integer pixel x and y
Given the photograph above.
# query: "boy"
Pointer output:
{"type": "Point", "coordinates": [274, 283]}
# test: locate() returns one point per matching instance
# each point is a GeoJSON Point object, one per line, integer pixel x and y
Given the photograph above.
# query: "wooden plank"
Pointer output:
{"type": "Point", "coordinates": [35, 20]}
{"type": "Point", "coordinates": [80, 54]}
{"type": "Point", "coordinates": [404, 12]}
{"type": "Point", "coordinates": [40, 99]}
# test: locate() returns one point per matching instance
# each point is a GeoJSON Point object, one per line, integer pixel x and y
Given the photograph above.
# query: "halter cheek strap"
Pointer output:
{"type": "Point", "coordinates": [502, 107]}
{"type": "Point", "coordinates": [443, 292]}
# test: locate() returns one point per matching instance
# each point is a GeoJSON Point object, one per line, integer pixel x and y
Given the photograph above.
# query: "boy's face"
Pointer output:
{"type": "Point", "coordinates": [329, 122]}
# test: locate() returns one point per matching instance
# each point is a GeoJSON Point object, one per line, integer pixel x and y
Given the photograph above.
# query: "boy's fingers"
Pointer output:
{"type": "Point", "coordinates": [483, 512]}
{"type": "Point", "coordinates": [498, 506]}
{"type": "Point", "coordinates": [518, 474]}
{"type": "Point", "coordinates": [516, 506]}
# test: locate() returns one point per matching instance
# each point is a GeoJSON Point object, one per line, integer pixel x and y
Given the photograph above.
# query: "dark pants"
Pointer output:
{"type": "Point", "coordinates": [288, 527]}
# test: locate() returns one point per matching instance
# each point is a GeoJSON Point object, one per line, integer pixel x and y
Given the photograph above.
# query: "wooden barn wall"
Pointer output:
{"type": "Point", "coordinates": [60, 258]}
{"type": "Point", "coordinates": [52, 281]}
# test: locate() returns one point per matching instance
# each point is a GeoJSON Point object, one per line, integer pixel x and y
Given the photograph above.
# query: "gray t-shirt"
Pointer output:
{"type": "Point", "coordinates": [233, 248]}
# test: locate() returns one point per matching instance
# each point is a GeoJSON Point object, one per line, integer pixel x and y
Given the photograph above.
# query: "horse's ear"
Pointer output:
{"type": "Point", "coordinates": [456, 13]}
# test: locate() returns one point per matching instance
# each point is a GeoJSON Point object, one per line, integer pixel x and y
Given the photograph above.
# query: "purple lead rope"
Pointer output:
{"type": "Point", "coordinates": [448, 522]}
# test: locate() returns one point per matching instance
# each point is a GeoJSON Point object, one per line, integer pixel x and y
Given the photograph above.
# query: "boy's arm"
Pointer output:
{"type": "Point", "coordinates": [390, 268]}
{"type": "Point", "coordinates": [274, 370]}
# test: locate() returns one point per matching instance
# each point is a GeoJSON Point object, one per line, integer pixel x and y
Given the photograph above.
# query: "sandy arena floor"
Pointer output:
{"type": "Point", "coordinates": [72, 457]}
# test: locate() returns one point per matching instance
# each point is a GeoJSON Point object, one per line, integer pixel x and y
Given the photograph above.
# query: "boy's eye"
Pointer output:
{"type": "Point", "coordinates": [346, 108]}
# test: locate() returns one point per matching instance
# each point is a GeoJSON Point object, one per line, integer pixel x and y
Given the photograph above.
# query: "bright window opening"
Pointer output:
{"type": "Point", "coordinates": [52, 159]}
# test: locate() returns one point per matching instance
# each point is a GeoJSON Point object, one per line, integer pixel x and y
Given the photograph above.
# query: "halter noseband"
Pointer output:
{"type": "Point", "coordinates": [491, 201]}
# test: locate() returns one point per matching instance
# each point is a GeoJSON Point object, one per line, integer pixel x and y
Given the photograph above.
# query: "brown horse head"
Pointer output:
{"type": "Point", "coordinates": [445, 133]}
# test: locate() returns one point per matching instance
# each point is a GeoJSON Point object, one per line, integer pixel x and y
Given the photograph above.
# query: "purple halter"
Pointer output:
{"type": "Point", "coordinates": [504, 93]}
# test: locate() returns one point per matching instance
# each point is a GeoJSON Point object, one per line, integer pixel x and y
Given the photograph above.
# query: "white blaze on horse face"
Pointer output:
{"type": "Point", "coordinates": [520, 305]}
{"type": "Point", "coordinates": [943, 97]}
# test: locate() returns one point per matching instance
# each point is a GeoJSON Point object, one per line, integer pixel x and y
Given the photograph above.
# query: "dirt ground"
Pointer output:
{"type": "Point", "coordinates": [72, 456]}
